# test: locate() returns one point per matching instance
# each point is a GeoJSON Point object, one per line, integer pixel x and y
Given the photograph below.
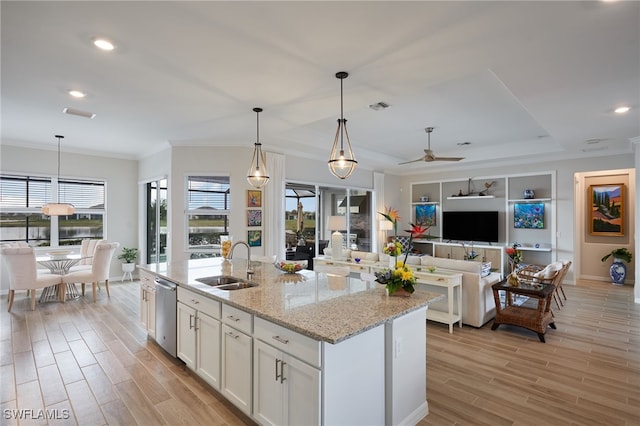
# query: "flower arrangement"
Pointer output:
{"type": "Point", "coordinates": [392, 249]}
{"type": "Point", "coordinates": [401, 276]}
{"type": "Point", "coordinates": [392, 216]}
{"type": "Point", "coordinates": [515, 255]}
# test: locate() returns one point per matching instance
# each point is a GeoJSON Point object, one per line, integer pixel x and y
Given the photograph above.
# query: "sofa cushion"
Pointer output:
{"type": "Point", "coordinates": [457, 265]}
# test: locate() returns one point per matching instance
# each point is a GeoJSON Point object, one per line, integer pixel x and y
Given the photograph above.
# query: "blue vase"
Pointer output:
{"type": "Point", "coordinates": [618, 272]}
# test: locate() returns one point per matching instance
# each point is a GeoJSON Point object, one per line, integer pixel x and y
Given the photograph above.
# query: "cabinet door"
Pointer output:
{"type": "Point", "coordinates": [236, 368]}
{"type": "Point", "coordinates": [267, 389]}
{"type": "Point", "coordinates": [151, 311]}
{"type": "Point", "coordinates": [301, 392]}
{"type": "Point", "coordinates": [144, 307]}
{"type": "Point", "coordinates": [208, 349]}
{"type": "Point", "coordinates": [187, 335]}
{"type": "Point", "coordinates": [458, 252]}
{"type": "Point", "coordinates": [495, 257]}
{"type": "Point", "coordinates": [442, 251]}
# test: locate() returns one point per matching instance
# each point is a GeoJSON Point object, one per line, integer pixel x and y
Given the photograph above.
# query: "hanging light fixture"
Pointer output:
{"type": "Point", "coordinates": [342, 162]}
{"type": "Point", "coordinates": [57, 208]}
{"type": "Point", "coordinates": [257, 175]}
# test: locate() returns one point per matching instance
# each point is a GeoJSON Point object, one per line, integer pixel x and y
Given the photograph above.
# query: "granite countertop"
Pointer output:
{"type": "Point", "coordinates": [322, 306]}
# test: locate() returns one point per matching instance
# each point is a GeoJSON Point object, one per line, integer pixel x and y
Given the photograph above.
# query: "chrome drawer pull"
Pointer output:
{"type": "Point", "coordinates": [282, 378]}
{"type": "Point", "coordinates": [190, 321]}
{"type": "Point", "coordinates": [230, 334]}
{"type": "Point", "coordinates": [277, 374]}
{"type": "Point", "coordinates": [195, 302]}
{"type": "Point", "coordinates": [280, 339]}
{"type": "Point", "coordinates": [232, 318]}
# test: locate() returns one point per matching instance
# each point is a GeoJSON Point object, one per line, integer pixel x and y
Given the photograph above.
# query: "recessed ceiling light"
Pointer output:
{"type": "Point", "coordinates": [621, 110]}
{"type": "Point", "coordinates": [77, 94]}
{"type": "Point", "coordinates": [104, 44]}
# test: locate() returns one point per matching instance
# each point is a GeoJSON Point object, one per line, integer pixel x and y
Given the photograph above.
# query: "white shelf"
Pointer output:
{"type": "Point", "coordinates": [529, 200]}
{"type": "Point", "coordinates": [532, 248]}
{"type": "Point", "coordinates": [421, 203]}
{"type": "Point", "coordinates": [470, 197]}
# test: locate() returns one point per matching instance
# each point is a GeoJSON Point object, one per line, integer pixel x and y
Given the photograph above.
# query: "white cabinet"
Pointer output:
{"type": "Point", "coordinates": [287, 376]}
{"type": "Point", "coordinates": [236, 359]}
{"type": "Point", "coordinates": [286, 390]}
{"type": "Point", "coordinates": [148, 303]}
{"type": "Point", "coordinates": [199, 335]}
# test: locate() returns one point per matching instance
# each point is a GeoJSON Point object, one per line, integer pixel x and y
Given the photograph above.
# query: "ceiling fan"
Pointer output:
{"type": "Point", "coordinates": [428, 154]}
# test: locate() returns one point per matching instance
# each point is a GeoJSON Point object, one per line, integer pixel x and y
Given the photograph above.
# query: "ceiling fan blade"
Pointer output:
{"type": "Point", "coordinates": [413, 161]}
{"type": "Point", "coordinates": [448, 158]}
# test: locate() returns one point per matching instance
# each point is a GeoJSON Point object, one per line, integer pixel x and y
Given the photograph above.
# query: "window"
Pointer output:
{"type": "Point", "coordinates": [156, 200]}
{"type": "Point", "coordinates": [207, 214]}
{"type": "Point", "coordinates": [22, 197]}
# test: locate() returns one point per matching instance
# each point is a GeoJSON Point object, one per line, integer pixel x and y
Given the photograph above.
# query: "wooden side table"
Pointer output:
{"type": "Point", "coordinates": [536, 318]}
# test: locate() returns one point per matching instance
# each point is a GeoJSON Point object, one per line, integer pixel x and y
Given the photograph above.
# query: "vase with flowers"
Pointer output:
{"type": "Point", "coordinates": [515, 256]}
{"type": "Point", "coordinates": [399, 279]}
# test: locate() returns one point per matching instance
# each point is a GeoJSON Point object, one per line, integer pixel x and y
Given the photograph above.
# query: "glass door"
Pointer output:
{"type": "Point", "coordinates": [156, 201]}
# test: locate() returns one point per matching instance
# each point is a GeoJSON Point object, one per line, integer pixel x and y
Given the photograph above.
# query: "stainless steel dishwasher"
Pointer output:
{"type": "Point", "coordinates": [166, 306]}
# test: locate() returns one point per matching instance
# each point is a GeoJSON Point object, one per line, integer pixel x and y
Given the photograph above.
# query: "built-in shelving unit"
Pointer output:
{"type": "Point", "coordinates": [470, 197]}
{"type": "Point", "coordinates": [502, 194]}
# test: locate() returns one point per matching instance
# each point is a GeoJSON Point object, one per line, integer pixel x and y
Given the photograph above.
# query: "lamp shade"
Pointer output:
{"type": "Point", "coordinates": [337, 223]}
{"type": "Point", "coordinates": [386, 225]}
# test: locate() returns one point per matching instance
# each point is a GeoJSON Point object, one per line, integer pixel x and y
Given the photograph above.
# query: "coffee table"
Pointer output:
{"type": "Point", "coordinates": [537, 318]}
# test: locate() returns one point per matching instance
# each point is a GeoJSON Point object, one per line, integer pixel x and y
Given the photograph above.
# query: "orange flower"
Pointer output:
{"type": "Point", "coordinates": [391, 215]}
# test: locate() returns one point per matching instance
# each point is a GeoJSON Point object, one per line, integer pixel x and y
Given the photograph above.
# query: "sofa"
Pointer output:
{"type": "Point", "coordinates": [478, 305]}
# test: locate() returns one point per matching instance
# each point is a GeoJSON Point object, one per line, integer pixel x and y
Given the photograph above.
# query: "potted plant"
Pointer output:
{"type": "Point", "coordinates": [128, 255]}
{"type": "Point", "coordinates": [618, 270]}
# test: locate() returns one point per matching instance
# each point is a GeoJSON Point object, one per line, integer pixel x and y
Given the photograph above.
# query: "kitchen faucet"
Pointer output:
{"type": "Point", "coordinates": [249, 270]}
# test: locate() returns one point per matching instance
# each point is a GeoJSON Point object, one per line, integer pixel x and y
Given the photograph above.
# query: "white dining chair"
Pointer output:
{"type": "Point", "coordinates": [99, 269]}
{"type": "Point", "coordinates": [87, 250]}
{"type": "Point", "coordinates": [20, 263]}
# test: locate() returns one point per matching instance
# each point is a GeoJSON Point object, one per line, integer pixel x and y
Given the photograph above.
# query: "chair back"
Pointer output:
{"type": "Point", "coordinates": [20, 263]}
{"type": "Point", "coordinates": [102, 260]}
{"type": "Point", "coordinates": [88, 248]}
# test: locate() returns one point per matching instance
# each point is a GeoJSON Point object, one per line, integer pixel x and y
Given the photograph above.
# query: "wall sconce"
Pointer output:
{"type": "Point", "coordinates": [336, 224]}
{"type": "Point", "coordinates": [257, 176]}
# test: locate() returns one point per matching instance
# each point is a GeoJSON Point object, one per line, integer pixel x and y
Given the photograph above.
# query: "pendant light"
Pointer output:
{"type": "Point", "coordinates": [342, 162]}
{"type": "Point", "coordinates": [257, 176]}
{"type": "Point", "coordinates": [57, 208]}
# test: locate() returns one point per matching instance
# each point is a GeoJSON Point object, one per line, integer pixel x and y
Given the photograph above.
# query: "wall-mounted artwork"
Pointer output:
{"type": "Point", "coordinates": [254, 217]}
{"type": "Point", "coordinates": [254, 238]}
{"type": "Point", "coordinates": [254, 198]}
{"type": "Point", "coordinates": [528, 215]}
{"type": "Point", "coordinates": [606, 215]}
{"type": "Point", "coordinates": [426, 214]}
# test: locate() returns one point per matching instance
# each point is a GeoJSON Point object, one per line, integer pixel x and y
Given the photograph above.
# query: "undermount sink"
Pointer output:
{"type": "Point", "coordinates": [226, 282]}
{"type": "Point", "coordinates": [237, 286]}
{"type": "Point", "coordinates": [218, 280]}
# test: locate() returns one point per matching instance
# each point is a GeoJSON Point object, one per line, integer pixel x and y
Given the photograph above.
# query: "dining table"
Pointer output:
{"type": "Point", "coordinates": [60, 264]}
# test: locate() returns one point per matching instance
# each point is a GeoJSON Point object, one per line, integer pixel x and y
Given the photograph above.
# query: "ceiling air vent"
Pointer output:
{"type": "Point", "coordinates": [78, 112]}
{"type": "Point", "coordinates": [379, 105]}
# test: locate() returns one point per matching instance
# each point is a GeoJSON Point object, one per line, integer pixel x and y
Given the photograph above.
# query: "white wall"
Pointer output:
{"type": "Point", "coordinates": [565, 208]}
{"type": "Point", "coordinates": [121, 223]}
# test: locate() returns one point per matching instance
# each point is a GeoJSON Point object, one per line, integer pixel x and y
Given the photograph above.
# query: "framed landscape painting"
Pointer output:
{"type": "Point", "coordinates": [606, 213]}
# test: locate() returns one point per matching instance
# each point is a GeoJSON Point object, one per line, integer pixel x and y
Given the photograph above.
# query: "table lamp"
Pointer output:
{"type": "Point", "coordinates": [385, 225]}
{"type": "Point", "coordinates": [337, 223]}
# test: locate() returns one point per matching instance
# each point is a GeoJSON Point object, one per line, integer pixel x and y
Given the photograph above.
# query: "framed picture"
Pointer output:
{"type": "Point", "coordinates": [606, 213]}
{"type": "Point", "coordinates": [254, 238]}
{"type": "Point", "coordinates": [254, 217]}
{"type": "Point", "coordinates": [426, 214]}
{"type": "Point", "coordinates": [528, 215]}
{"type": "Point", "coordinates": [254, 198]}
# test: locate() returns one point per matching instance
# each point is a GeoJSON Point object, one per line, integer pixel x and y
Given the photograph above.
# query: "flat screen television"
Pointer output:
{"type": "Point", "coordinates": [477, 226]}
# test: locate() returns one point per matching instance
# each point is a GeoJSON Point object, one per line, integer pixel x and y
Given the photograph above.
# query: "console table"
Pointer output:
{"type": "Point", "coordinates": [450, 280]}
{"type": "Point", "coordinates": [536, 318]}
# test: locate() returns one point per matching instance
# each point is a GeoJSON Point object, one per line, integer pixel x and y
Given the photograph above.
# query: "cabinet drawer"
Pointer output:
{"type": "Point", "coordinates": [199, 302]}
{"type": "Point", "coordinates": [146, 278]}
{"type": "Point", "coordinates": [291, 342]}
{"type": "Point", "coordinates": [236, 318]}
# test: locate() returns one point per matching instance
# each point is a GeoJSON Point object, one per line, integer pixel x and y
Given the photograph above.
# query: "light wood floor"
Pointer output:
{"type": "Point", "coordinates": [94, 362]}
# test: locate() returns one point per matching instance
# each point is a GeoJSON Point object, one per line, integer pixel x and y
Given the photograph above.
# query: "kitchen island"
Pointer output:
{"type": "Point", "coordinates": [305, 348]}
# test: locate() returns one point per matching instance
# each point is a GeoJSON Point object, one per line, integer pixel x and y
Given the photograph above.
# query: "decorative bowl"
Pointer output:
{"type": "Point", "coordinates": [290, 266]}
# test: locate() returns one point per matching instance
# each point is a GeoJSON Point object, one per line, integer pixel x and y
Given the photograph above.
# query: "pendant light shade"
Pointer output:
{"type": "Point", "coordinates": [57, 208]}
{"type": "Point", "coordinates": [257, 176]}
{"type": "Point", "coordinates": [342, 162]}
